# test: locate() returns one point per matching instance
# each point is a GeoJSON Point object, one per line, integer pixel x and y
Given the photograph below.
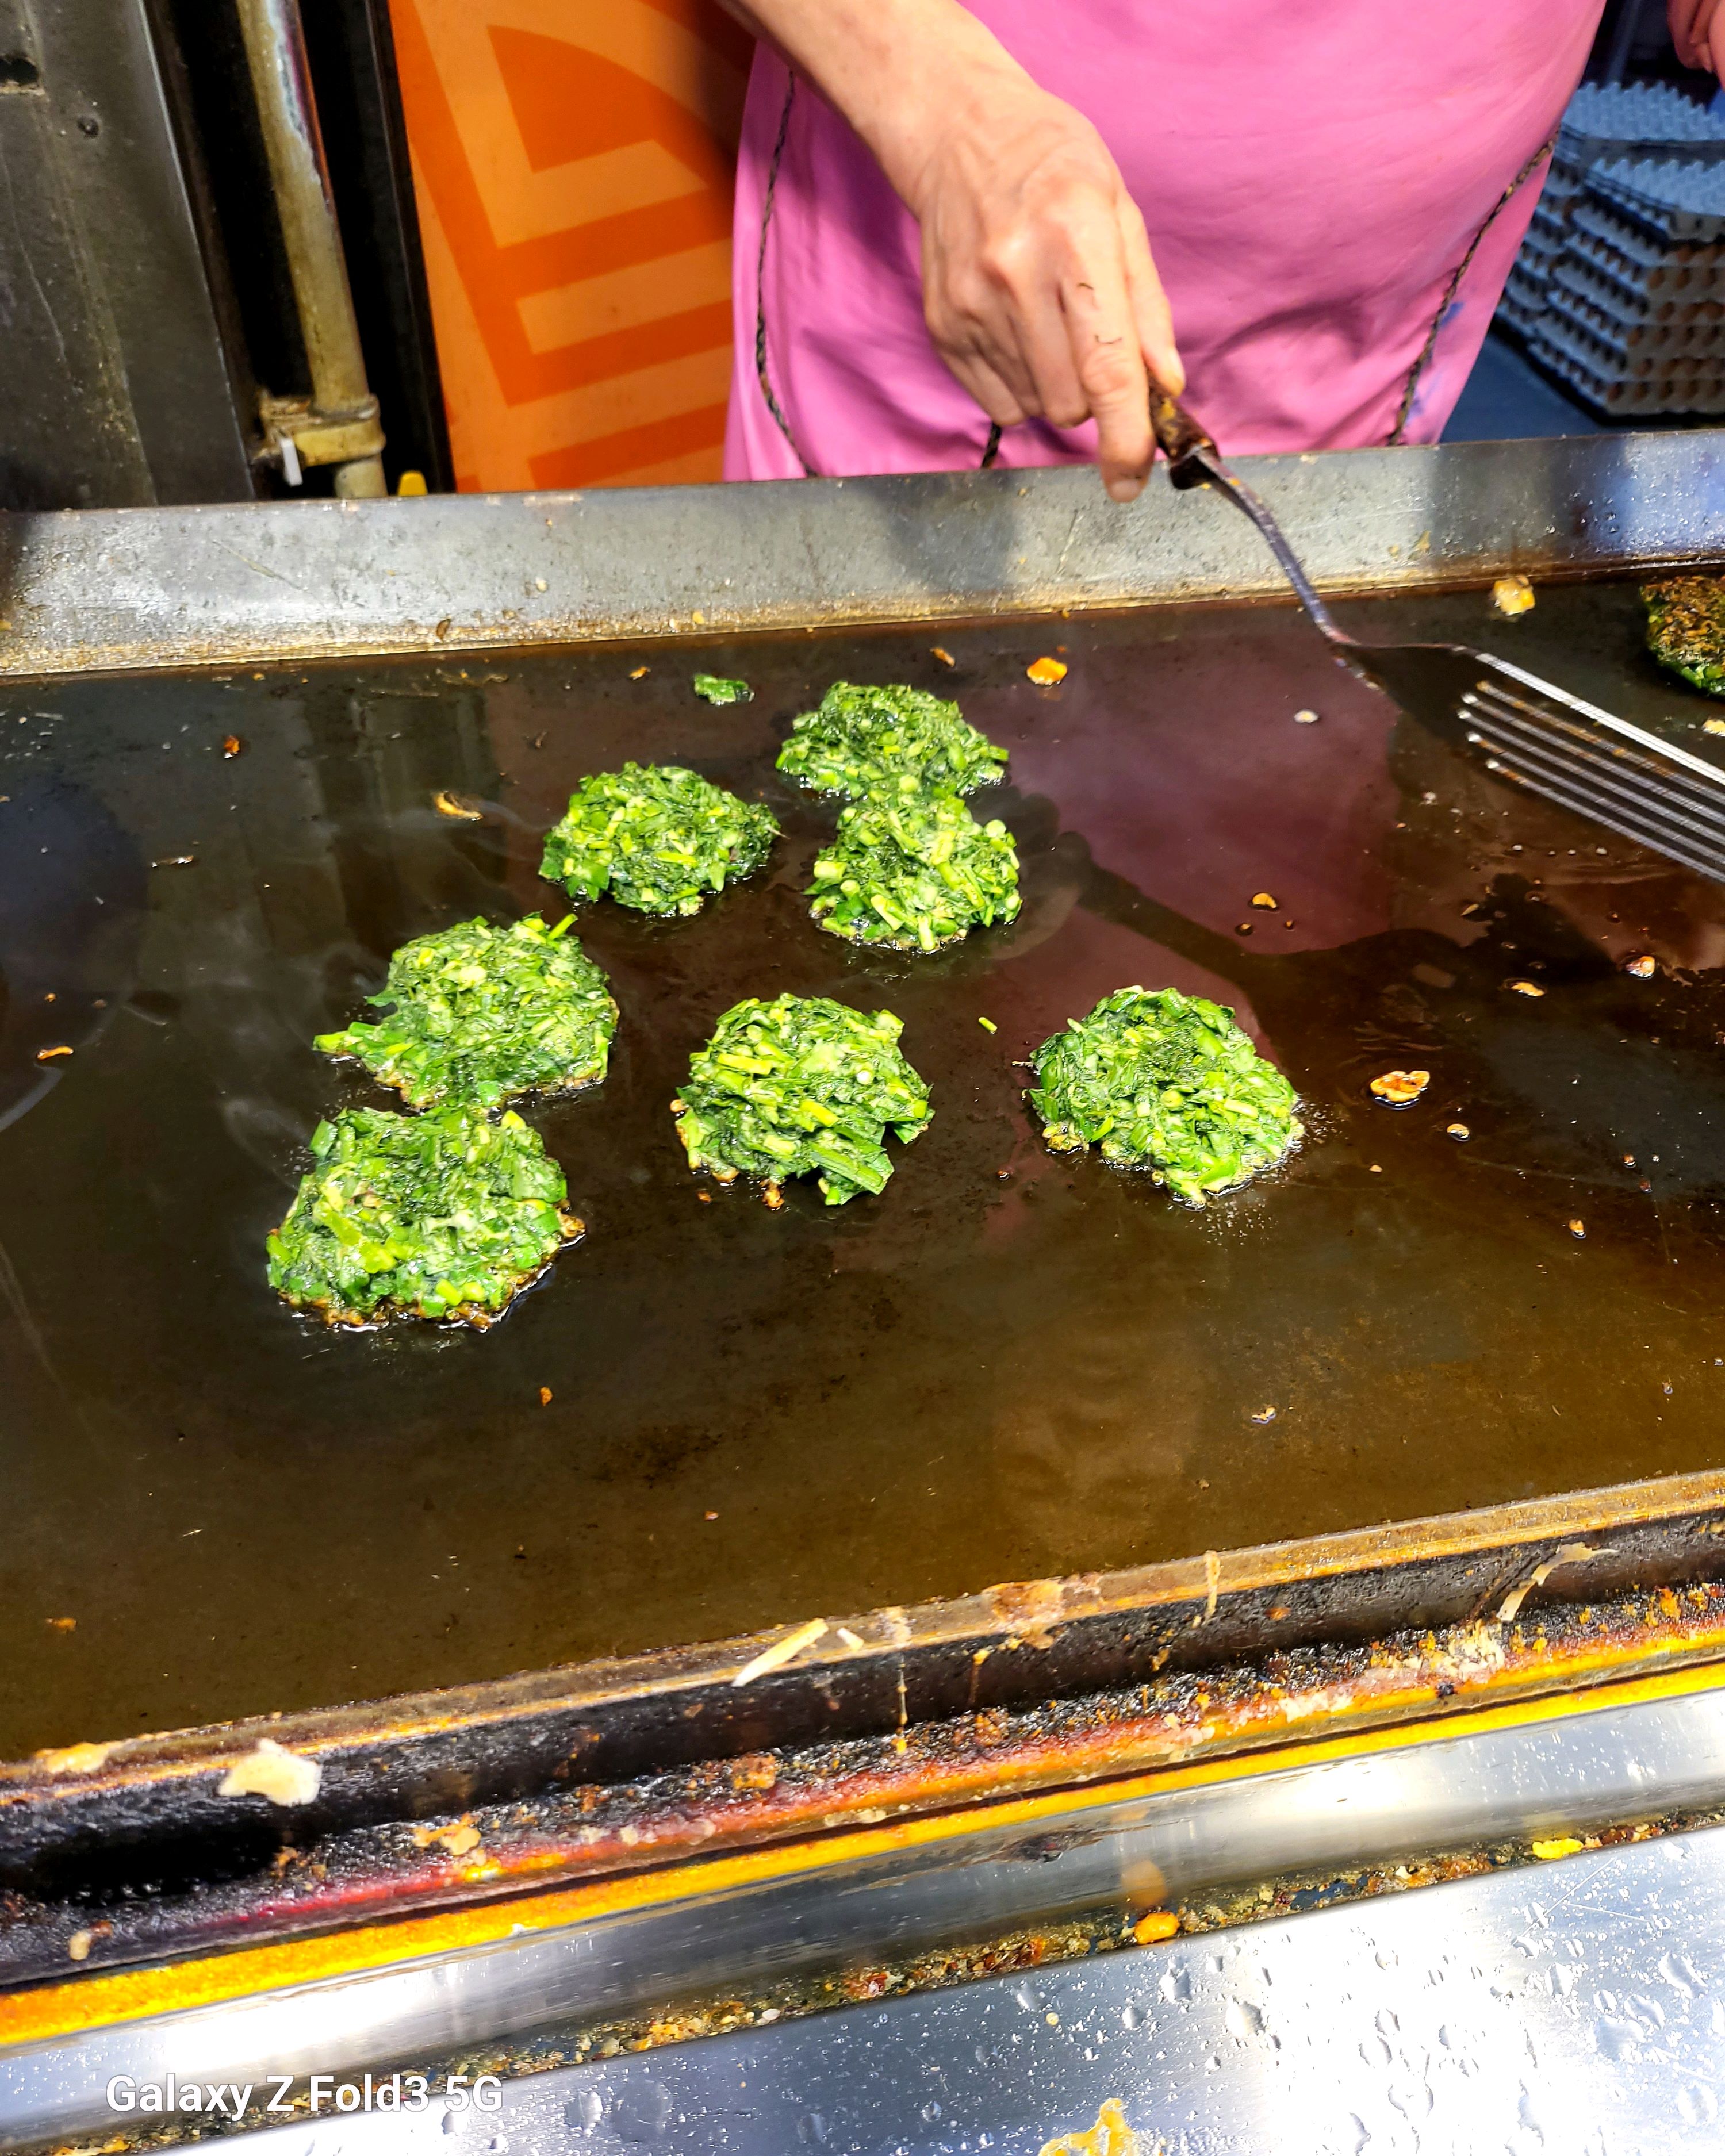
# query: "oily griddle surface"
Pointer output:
{"type": "Point", "coordinates": [1008, 1365]}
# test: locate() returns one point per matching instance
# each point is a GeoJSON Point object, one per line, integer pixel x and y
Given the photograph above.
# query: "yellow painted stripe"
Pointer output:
{"type": "Point", "coordinates": [66, 2010]}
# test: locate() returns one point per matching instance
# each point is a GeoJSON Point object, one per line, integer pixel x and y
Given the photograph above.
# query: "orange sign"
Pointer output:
{"type": "Point", "coordinates": [572, 161]}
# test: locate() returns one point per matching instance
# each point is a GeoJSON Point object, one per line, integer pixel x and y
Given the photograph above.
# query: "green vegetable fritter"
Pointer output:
{"type": "Point", "coordinates": [480, 1013]}
{"type": "Point", "coordinates": [1168, 1082]}
{"type": "Point", "coordinates": [1686, 629]}
{"type": "Point", "coordinates": [716, 689]}
{"type": "Point", "coordinates": [445, 1215]}
{"type": "Point", "coordinates": [801, 1086]}
{"type": "Point", "coordinates": [659, 838]}
{"type": "Point", "coordinates": [894, 741]}
{"type": "Point", "coordinates": [913, 874]}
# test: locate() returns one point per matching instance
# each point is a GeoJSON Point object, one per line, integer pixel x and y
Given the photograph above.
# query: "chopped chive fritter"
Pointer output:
{"type": "Point", "coordinates": [479, 1013]}
{"type": "Point", "coordinates": [1686, 629]}
{"type": "Point", "coordinates": [913, 874]}
{"type": "Point", "coordinates": [801, 1086]}
{"type": "Point", "coordinates": [894, 741]}
{"type": "Point", "coordinates": [445, 1215]}
{"type": "Point", "coordinates": [657, 837]}
{"type": "Point", "coordinates": [1168, 1082]}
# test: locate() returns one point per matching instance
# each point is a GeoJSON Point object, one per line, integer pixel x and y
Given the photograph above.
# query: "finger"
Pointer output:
{"type": "Point", "coordinates": [1045, 336]}
{"type": "Point", "coordinates": [995, 396]}
{"type": "Point", "coordinates": [1151, 311]}
{"type": "Point", "coordinates": [970, 322]}
{"type": "Point", "coordinates": [1713, 51]}
{"type": "Point", "coordinates": [1109, 360]}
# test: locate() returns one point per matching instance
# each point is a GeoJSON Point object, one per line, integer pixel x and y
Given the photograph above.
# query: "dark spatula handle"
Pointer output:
{"type": "Point", "coordinates": [1180, 438]}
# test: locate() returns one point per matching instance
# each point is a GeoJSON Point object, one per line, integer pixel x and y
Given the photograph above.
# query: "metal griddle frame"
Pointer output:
{"type": "Point", "coordinates": [666, 1759]}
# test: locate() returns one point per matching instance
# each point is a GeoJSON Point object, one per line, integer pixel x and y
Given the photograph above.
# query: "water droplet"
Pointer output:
{"type": "Point", "coordinates": [1679, 1972]}
{"type": "Point", "coordinates": [1387, 2024]}
{"type": "Point", "coordinates": [1029, 1996]}
{"type": "Point", "coordinates": [642, 2112]}
{"type": "Point", "coordinates": [498, 2144]}
{"type": "Point", "coordinates": [1361, 2133]}
{"type": "Point", "coordinates": [1387, 1957]}
{"type": "Point", "coordinates": [587, 2109]}
{"type": "Point", "coordinates": [1176, 1984]}
{"type": "Point", "coordinates": [1132, 2015]}
{"type": "Point", "coordinates": [812, 2126]}
{"type": "Point", "coordinates": [1375, 2051]}
{"type": "Point", "coordinates": [1242, 2018]}
{"type": "Point", "coordinates": [1698, 2106]}
{"type": "Point", "coordinates": [1617, 2039]}
{"type": "Point", "coordinates": [931, 2112]}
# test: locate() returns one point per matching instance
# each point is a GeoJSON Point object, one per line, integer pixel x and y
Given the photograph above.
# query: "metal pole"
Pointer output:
{"type": "Point", "coordinates": [276, 51]}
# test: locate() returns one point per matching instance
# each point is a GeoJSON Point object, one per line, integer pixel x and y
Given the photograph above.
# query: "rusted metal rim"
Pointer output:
{"type": "Point", "coordinates": [331, 1817]}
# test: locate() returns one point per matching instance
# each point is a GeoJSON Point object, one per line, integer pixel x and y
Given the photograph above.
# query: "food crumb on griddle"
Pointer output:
{"type": "Point", "coordinates": [1525, 987]}
{"type": "Point", "coordinates": [1713, 726]}
{"type": "Point", "coordinates": [1401, 1089]}
{"type": "Point", "coordinates": [1307, 718]}
{"type": "Point", "coordinates": [232, 745]}
{"type": "Point", "coordinates": [1459, 1131]}
{"type": "Point", "coordinates": [988, 1025]}
{"type": "Point", "coordinates": [1578, 1229]}
{"type": "Point", "coordinates": [448, 804]}
{"type": "Point", "coordinates": [1045, 672]}
{"type": "Point", "coordinates": [1512, 595]}
{"type": "Point", "coordinates": [63, 1624]}
{"type": "Point", "coordinates": [719, 689]}
{"type": "Point", "coordinates": [1264, 1414]}
{"type": "Point", "coordinates": [1158, 1924]}
{"type": "Point", "coordinates": [545, 1396]}
{"type": "Point", "coordinates": [940, 652]}
{"type": "Point", "coordinates": [709, 1516]}
{"type": "Point", "coordinates": [1643, 968]}
{"type": "Point", "coordinates": [773, 1197]}
{"type": "Point", "coordinates": [1264, 902]}
{"type": "Point", "coordinates": [47, 1055]}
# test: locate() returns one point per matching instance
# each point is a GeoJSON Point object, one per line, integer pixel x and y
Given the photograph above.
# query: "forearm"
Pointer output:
{"type": "Point", "coordinates": [900, 71]}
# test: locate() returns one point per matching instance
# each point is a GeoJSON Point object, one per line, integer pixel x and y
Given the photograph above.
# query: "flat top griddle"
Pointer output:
{"type": "Point", "coordinates": [1009, 1365]}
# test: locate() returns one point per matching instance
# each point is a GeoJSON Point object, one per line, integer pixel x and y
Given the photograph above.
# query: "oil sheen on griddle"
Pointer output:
{"type": "Point", "coordinates": [1008, 1365]}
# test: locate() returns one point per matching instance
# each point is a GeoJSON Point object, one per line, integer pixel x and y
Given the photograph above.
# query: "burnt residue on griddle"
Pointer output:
{"type": "Point", "coordinates": [967, 1379]}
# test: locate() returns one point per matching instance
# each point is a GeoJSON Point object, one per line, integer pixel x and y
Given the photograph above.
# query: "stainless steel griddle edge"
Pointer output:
{"type": "Point", "coordinates": [124, 589]}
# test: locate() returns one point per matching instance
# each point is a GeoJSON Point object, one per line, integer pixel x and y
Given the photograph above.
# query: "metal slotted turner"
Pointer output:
{"type": "Point", "coordinates": [1521, 728]}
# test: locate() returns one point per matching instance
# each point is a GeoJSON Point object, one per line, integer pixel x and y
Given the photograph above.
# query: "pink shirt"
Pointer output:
{"type": "Point", "coordinates": [1312, 175]}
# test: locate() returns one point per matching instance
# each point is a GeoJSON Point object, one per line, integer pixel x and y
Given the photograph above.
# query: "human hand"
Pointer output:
{"type": "Point", "coordinates": [1039, 287]}
{"type": "Point", "coordinates": [1698, 33]}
